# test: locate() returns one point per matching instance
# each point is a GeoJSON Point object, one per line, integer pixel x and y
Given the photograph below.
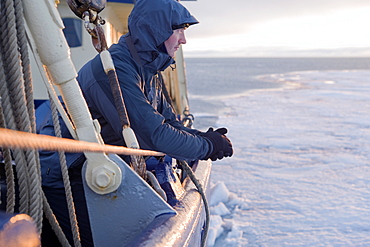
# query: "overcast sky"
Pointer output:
{"type": "Point", "coordinates": [279, 28]}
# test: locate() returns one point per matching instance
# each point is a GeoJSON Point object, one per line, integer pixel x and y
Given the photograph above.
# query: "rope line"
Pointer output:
{"type": "Point", "coordinates": [54, 222]}
{"type": "Point", "coordinates": [67, 185]}
{"type": "Point", "coordinates": [16, 87]}
{"type": "Point", "coordinates": [10, 194]}
{"type": "Point", "coordinates": [199, 186]}
{"type": "Point", "coordinates": [26, 64]}
{"type": "Point", "coordinates": [24, 140]}
{"type": "Point", "coordinates": [7, 15]}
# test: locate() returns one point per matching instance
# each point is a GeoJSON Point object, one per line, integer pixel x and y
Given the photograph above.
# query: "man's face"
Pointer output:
{"type": "Point", "coordinates": [174, 41]}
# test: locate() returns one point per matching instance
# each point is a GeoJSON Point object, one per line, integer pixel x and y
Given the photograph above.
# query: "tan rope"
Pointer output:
{"type": "Point", "coordinates": [202, 193]}
{"type": "Point", "coordinates": [16, 89]}
{"type": "Point", "coordinates": [54, 222]}
{"type": "Point", "coordinates": [33, 163]}
{"type": "Point", "coordinates": [9, 55]}
{"type": "Point", "coordinates": [67, 185]}
{"type": "Point", "coordinates": [24, 140]}
{"type": "Point", "coordinates": [10, 184]}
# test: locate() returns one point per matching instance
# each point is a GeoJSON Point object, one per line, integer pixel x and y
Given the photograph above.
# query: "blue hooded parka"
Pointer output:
{"type": "Point", "coordinates": [151, 117]}
{"type": "Point", "coordinates": [138, 58]}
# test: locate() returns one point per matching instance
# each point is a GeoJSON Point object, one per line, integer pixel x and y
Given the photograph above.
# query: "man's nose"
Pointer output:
{"type": "Point", "coordinates": [182, 39]}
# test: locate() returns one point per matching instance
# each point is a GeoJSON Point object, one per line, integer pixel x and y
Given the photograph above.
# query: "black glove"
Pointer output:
{"type": "Point", "coordinates": [222, 146]}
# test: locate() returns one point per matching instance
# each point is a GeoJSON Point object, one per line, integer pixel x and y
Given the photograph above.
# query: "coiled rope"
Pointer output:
{"type": "Point", "coordinates": [17, 115]}
{"type": "Point", "coordinates": [10, 194]}
{"type": "Point", "coordinates": [7, 110]}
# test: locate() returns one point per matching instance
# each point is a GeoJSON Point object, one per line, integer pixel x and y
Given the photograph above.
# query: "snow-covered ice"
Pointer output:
{"type": "Point", "coordinates": [300, 174]}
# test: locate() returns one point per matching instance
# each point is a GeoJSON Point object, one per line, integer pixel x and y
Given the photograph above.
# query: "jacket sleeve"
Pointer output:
{"type": "Point", "coordinates": [157, 132]}
{"type": "Point", "coordinates": [170, 117]}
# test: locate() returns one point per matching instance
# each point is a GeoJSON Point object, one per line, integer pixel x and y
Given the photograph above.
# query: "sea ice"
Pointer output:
{"type": "Point", "coordinates": [220, 209]}
{"type": "Point", "coordinates": [300, 173]}
{"type": "Point", "coordinates": [219, 193]}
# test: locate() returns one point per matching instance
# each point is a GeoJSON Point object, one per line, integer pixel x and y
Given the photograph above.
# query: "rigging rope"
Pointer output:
{"type": "Point", "coordinates": [26, 65]}
{"type": "Point", "coordinates": [10, 194]}
{"type": "Point", "coordinates": [67, 185]}
{"type": "Point", "coordinates": [30, 125]}
{"type": "Point", "coordinates": [28, 166]}
{"type": "Point", "coordinates": [7, 110]}
{"type": "Point", "coordinates": [24, 140]}
{"type": "Point", "coordinates": [54, 223]}
{"type": "Point", "coordinates": [199, 186]}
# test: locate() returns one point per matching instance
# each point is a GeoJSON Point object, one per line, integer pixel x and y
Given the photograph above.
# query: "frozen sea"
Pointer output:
{"type": "Point", "coordinates": [300, 174]}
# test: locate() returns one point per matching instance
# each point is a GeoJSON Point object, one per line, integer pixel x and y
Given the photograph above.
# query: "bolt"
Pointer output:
{"type": "Point", "coordinates": [102, 176]}
{"type": "Point", "coordinates": [103, 180]}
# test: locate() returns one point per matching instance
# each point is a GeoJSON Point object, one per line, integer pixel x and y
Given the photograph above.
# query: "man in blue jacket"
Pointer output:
{"type": "Point", "coordinates": [156, 30]}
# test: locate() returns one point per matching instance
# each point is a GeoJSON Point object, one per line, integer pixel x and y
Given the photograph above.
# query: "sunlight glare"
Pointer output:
{"type": "Point", "coordinates": [340, 29]}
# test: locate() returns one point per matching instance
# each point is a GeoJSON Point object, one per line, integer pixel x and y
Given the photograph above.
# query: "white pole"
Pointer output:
{"type": "Point", "coordinates": [102, 175]}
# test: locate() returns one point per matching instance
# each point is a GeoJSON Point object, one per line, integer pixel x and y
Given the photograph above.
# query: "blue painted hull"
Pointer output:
{"type": "Point", "coordinates": [185, 228]}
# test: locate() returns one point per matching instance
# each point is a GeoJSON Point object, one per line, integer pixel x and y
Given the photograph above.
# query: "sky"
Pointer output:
{"type": "Point", "coordinates": [283, 28]}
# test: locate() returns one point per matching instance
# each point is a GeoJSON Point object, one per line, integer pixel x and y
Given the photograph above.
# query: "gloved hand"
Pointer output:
{"type": "Point", "coordinates": [222, 146]}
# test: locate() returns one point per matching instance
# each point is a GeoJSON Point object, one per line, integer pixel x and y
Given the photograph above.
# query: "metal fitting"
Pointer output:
{"type": "Point", "coordinates": [102, 177]}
